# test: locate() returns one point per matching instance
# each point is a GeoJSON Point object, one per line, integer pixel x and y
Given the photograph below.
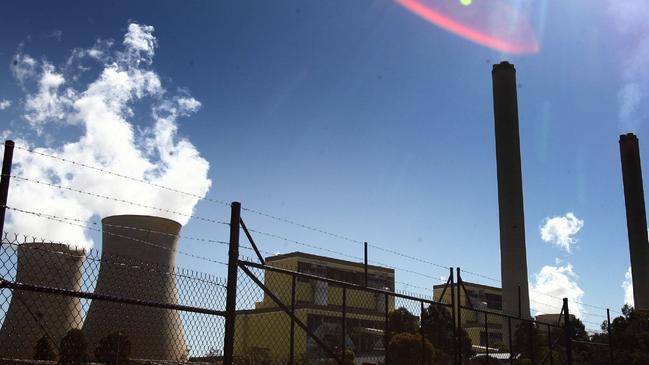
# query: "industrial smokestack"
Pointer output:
{"type": "Point", "coordinates": [513, 256]}
{"type": "Point", "coordinates": [31, 315]}
{"type": "Point", "coordinates": [138, 261]}
{"type": "Point", "coordinates": [636, 219]}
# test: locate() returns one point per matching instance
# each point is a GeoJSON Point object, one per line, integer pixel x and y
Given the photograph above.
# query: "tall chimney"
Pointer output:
{"type": "Point", "coordinates": [513, 256]}
{"type": "Point", "coordinates": [636, 219]}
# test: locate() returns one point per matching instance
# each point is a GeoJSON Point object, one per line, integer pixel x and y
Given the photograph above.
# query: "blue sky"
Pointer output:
{"type": "Point", "coordinates": [365, 120]}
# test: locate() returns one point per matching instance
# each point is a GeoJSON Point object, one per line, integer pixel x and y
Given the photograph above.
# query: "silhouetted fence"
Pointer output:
{"type": "Point", "coordinates": [49, 289]}
{"type": "Point", "coordinates": [66, 304]}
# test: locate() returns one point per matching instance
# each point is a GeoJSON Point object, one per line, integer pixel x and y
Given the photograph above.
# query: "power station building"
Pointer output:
{"type": "Point", "coordinates": [266, 328]}
{"type": "Point", "coordinates": [478, 296]}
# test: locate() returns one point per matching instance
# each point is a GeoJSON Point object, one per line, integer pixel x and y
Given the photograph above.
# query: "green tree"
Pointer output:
{"type": "Point", "coordinates": [630, 334]}
{"type": "Point", "coordinates": [402, 321]}
{"type": "Point", "coordinates": [73, 348]}
{"type": "Point", "coordinates": [113, 349]}
{"type": "Point", "coordinates": [438, 327]}
{"type": "Point", "coordinates": [44, 350]}
{"type": "Point", "coordinates": [406, 349]}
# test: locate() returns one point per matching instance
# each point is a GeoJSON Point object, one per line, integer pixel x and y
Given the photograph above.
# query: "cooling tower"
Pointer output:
{"type": "Point", "coordinates": [513, 256]}
{"type": "Point", "coordinates": [137, 262]}
{"type": "Point", "coordinates": [31, 315]}
{"type": "Point", "coordinates": [636, 219]}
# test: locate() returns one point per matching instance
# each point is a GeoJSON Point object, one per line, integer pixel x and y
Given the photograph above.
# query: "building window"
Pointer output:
{"type": "Point", "coordinates": [494, 301]}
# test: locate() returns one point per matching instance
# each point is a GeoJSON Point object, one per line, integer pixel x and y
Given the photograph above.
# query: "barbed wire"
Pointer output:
{"type": "Point", "coordinates": [99, 224]}
{"type": "Point", "coordinates": [85, 226]}
{"type": "Point", "coordinates": [99, 169]}
{"type": "Point", "coordinates": [93, 255]}
{"type": "Point", "coordinates": [119, 200]}
{"type": "Point", "coordinates": [258, 212]}
{"type": "Point", "coordinates": [358, 258]}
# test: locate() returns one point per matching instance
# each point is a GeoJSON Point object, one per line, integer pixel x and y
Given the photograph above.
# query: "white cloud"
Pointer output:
{"type": "Point", "coordinates": [56, 34]}
{"type": "Point", "coordinates": [4, 104]}
{"type": "Point", "coordinates": [139, 41]}
{"type": "Point", "coordinates": [48, 103]}
{"type": "Point", "coordinates": [630, 18]}
{"type": "Point", "coordinates": [103, 111]}
{"type": "Point", "coordinates": [553, 283]}
{"type": "Point", "coordinates": [560, 230]}
{"type": "Point", "coordinates": [627, 285]}
{"type": "Point", "coordinates": [23, 67]}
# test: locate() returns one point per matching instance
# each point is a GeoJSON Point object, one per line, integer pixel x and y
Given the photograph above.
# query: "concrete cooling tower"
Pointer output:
{"type": "Point", "coordinates": [134, 269]}
{"type": "Point", "coordinates": [32, 315]}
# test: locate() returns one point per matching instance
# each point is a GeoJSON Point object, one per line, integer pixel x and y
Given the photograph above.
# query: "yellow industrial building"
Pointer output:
{"type": "Point", "coordinates": [483, 297]}
{"type": "Point", "coordinates": [264, 332]}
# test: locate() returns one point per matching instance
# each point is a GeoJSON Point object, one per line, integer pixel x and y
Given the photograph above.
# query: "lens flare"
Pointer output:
{"type": "Point", "coordinates": [491, 23]}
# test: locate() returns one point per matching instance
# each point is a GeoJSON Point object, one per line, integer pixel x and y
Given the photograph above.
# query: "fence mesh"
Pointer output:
{"type": "Point", "coordinates": [57, 299]}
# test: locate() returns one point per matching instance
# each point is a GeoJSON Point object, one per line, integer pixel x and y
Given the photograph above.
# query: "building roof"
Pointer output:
{"type": "Point", "coordinates": [470, 285]}
{"type": "Point", "coordinates": [309, 256]}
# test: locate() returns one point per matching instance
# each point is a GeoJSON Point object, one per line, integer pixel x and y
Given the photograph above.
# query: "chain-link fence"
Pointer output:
{"type": "Point", "coordinates": [58, 301]}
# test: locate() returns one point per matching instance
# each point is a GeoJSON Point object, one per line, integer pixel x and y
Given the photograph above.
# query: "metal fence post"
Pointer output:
{"type": "Point", "coordinates": [421, 333]}
{"type": "Point", "coordinates": [344, 322]}
{"type": "Point", "coordinates": [4, 181]}
{"type": "Point", "coordinates": [459, 317]}
{"type": "Point", "coordinates": [455, 333]}
{"type": "Point", "coordinates": [520, 313]}
{"type": "Point", "coordinates": [568, 330]}
{"type": "Point", "coordinates": [550, 345]}
{"type": "Point", "coordinates": [486, 334]}
{"type": "Point", "coordinates": [532, 342]}
{"type": "Point", "coordinates": [365, 263]}
{"type": "Point", "coordinates": [231, 298]}
{"type": "Point", "coordinates": [510, 340]}
{"type": "Point", "coordinates": [292, 350]}
{"type": "Point", "coordinates": [610, 336]}
{"type": "Point", "coordinates": [386, 334]}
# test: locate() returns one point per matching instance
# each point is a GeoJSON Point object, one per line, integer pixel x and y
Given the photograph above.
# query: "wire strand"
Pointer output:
{"type": "Point", "coordinates": [35, 181]}
{"type": "Point", "coordinates": [76, 163]}
{"type": "Point", "coordinates": [84, 226]}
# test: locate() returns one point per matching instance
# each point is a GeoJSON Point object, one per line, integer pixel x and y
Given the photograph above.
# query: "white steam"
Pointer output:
{"type": "Point", "coordinates": [103, 111]}
{"type": "Point", "coordinates": [630, 19]}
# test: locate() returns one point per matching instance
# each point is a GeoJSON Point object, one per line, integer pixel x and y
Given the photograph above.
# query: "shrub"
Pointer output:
{"type": "Point", "coordinates": [44, 350]}
{"type": "Point", "coordinates": [73, 347]}
{"type": "Point", "coordinates": [113, 349]}
{"type": "Point", "coordinates": [406, 348]}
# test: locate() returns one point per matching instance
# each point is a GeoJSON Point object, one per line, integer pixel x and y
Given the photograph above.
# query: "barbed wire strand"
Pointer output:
{"type": "Point", "coordinates": [309, 245]}
{"type": "Point", "coordinates": [258, 212]}
{"type": "Point", "coordinates": [184, 253]}
{"type": "Point", "coordinates": [142, 181]}
{"type": "Point", "coordinates": [176, 271]}
{"type": "Point", "coordinates": [99, 224]}
{"type": "Point", "coordinates": [119, 200]}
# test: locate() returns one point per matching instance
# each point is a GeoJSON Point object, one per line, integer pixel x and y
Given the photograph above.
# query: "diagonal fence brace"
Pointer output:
{"type": "Point", "coordinates": [288, 312]}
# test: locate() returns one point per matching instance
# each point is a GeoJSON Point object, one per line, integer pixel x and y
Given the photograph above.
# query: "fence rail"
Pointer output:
{"type": "Point", "coordinates": [57, 300]}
